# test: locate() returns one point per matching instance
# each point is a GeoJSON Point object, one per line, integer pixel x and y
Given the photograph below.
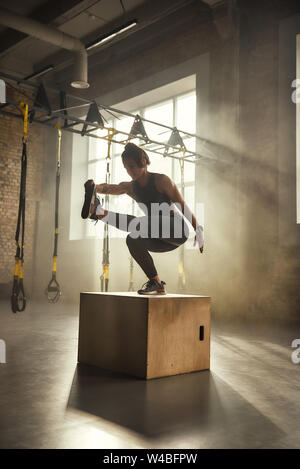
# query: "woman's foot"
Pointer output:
{"type": "Point", "coordinates": [153, 287]}
{"type": "Point", "coordinates": [96, 210]}
{"type": "Point", "coordinates": [156, 278]}
{"type": "Point", "coordinates": [92, 207]}
{"type": "Point", "coordinates": [89, 198]}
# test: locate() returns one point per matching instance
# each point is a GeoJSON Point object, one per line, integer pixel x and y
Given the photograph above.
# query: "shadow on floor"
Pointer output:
{"type": "Point", "coordinates": [199, 404]}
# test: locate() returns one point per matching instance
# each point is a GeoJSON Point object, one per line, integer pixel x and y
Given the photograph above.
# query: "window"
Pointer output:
{"type": "Point", "coordinates": [180, 112]}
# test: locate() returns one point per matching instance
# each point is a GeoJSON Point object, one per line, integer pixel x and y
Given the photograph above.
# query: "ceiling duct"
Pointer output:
{"type": "Point", "coordinates": [52, 36]}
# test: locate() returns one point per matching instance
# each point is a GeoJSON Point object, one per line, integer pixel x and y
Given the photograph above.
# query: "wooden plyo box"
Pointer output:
{"type": "Point", "coordinates": [145, 336]}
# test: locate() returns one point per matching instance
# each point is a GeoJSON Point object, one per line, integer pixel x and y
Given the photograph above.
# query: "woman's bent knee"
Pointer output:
{"type": "Point", "coordinates": [135, 243]}
{"type": "Point", "coordinates": [130, 241]}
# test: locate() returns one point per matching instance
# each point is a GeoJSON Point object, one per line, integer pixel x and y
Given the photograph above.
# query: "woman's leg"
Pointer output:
{"type": "Point", "coordinates": [118, 220]}
{"type": "Point", "coordinates": [167, 239]}
{"type": "Point", "coordinates": [171, 230]}
{"type": "Point", "coordinates": [139, 249]}
{"type": "Point", "coordinates": [140, 242]}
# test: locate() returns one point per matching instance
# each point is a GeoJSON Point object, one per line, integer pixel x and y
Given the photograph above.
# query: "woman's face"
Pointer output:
{"type": "Point", "coordinates": [133, 169]}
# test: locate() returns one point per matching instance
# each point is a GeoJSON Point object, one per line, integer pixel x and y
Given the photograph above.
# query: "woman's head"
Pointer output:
{"type": "Point", "coordinates": [135, 160]}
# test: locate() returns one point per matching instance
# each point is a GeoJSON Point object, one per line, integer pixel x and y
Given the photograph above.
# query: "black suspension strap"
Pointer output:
{"type": "Point", "coordinates": [131, 265]}
{"type": "Point", "coordinates": [175, 140]}
{"type": "Point", "coordinates": [104, 277]}
{"type": "Point", "coordinates": [53, 290]}
{"type": "Point", "coordinates": [18, 298]}
{"type": "Point", "coordinates": [181, 272]}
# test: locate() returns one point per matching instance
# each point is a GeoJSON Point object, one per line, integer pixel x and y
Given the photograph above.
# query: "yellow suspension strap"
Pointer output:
{"type": "Point", "coordinates": [18, 298]}
{"type": "Point", "coordinates": [53, 291]}
{"type": "Point", "coordinates": [181, 273]}
{"type": "Point", "coordinates": [104, 277]}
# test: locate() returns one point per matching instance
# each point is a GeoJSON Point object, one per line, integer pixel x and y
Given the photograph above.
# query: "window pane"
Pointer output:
{"type": "Point", "coordinates": [97, 171]}
{"type": "Point", "coordinates": [119, 174]}
{"type": "Point", "coordinates": [163, 114]}
{"type": "Point", "coordinates": [91, 170]}
{"type": "Point", "coordinates": [188, 172]}
{"type": "Point", "coordinates": [189, 197]}
{"type": "Point", "coordinates": [186, 113]}
{"type": "Point", "coordinates": [159, 164]}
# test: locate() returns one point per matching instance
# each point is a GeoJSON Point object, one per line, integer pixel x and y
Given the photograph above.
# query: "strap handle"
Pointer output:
{"type": "Point", "coordinates": [53, 291]}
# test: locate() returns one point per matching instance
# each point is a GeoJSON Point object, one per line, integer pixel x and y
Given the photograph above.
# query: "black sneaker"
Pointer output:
{"type": "Point", "coordinates": [153, 287]}
{"type": "Point", "coordinates": [96, 203]}
{"type": "Point", "coordinates": [89, 197]}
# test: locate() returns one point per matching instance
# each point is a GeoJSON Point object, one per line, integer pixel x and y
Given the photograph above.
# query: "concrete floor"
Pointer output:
{"type": "Point", "coordinates": [249, 398]}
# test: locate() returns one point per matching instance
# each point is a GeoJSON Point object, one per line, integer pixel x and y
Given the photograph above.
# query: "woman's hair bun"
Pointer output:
{"type": "Point", "coordinates": [136, 153]}
{"type": "Point", "coordinates": [130, 145]}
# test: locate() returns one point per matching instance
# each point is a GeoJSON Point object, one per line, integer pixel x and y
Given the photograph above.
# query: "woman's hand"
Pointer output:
{"type": "Point", "coordinates": [199, 237]}
{"type": "Point", "coordinates": [168, 187]}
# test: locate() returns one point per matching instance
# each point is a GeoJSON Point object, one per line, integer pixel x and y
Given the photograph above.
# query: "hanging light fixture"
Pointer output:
{"type": "Point", "coordinates": [111, 35]}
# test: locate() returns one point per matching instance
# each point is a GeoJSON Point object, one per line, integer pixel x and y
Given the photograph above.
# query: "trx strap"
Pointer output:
{"type": "Point", "coordinates": [181, 261]}
{"type": "Point", "coordinates": [131, 287]}
{"type": "Point", "coordinates": [175, 140]}
{"type": "Point", "coordinates": [104, 277]}
{"type": "Point", "coordinates": [63, 105]}
{"type": "Point", "coordinates": [18, 298]}
{"type": "Point", "coordinates": [53, 291]}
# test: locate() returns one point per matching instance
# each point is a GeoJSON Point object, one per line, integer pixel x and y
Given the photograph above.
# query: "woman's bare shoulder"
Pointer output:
{"type": "Point", "coordinates": [161, 179]}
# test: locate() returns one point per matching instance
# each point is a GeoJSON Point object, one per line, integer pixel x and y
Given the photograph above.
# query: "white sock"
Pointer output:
{"type": "Point", "coordinates": [99, 210]}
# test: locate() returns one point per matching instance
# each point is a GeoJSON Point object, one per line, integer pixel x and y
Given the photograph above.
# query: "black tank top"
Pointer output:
{"type": "Point", "coordinates": [149, 194]}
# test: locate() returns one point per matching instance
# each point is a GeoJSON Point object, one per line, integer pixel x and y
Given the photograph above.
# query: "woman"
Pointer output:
{"type": "Point", "coordinates": [161, 229]}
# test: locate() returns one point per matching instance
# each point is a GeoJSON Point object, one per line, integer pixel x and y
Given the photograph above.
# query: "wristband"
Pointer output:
{"type": "Point", "coordinates": [199, 236]}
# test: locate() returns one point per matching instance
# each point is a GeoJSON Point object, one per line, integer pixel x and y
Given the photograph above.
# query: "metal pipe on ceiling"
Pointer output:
{"type": "Point", "coordinates": [53, 36]}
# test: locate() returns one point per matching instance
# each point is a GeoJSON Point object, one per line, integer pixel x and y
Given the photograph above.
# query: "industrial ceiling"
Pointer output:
{"type": "Point", "coordinates": [87, 20]}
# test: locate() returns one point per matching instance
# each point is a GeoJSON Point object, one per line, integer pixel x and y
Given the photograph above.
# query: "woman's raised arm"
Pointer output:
{"type": "Point", "coordinates": [114, 189]}
{"type": "Point", "coordinates": [169, 187]}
